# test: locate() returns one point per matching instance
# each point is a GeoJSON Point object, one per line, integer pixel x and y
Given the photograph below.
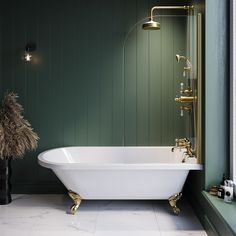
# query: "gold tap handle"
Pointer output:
{"type": "Point", "coordinates": [181, 140]}
{"type": "Point", "coordinates": [184, 142]}
{"type": "Point", "coordinates": [186, 108]}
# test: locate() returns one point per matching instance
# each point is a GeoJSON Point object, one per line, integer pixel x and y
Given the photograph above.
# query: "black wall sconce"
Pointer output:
{"type": "Point", "coordinates": [29, 48]}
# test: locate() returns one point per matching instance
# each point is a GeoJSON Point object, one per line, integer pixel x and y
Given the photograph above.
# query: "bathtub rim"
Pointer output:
{"type": "Point", "coordinates": [115, 166]}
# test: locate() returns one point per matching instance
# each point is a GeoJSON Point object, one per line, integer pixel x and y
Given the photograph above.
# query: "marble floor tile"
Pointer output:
{"type": "Point", "coordinates": [186, 223]}
{"type": "Point", "coordinates": [128, 233]}
{"type": "Point", "coordinates": [183, 233]}
{"type": "Point", "coordinates": [43, 215]}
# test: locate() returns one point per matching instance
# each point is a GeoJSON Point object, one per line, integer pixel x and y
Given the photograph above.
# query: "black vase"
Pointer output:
{"type": "Point", "coordinates": [5, 184]}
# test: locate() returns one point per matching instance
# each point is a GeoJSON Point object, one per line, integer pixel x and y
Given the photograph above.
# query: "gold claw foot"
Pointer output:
{"type": "Point", "coordinates": [77, 200]}
{"type": "Point", "coordinates": [173, 200]}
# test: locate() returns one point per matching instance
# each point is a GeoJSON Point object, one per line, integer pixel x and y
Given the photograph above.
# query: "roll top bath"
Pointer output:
{"type": "Point", "coordinates": [120, 172]}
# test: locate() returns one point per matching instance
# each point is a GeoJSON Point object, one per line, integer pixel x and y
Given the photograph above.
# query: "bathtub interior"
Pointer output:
{"type": "Point", "coordinates": [109, 155]}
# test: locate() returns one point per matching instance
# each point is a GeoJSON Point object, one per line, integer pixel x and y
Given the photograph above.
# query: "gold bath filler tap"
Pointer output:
{"type": "Point", "coordinates": [184, 143]}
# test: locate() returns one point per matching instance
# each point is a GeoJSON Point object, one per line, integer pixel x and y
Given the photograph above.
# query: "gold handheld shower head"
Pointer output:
{"type": "Point", "coordinates": [178, 57]}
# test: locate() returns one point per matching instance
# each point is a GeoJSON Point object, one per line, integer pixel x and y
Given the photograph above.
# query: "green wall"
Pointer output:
{"type": "Point", "coordinates": [217, 82]}
{"type": "Point", "coordinates": [215, 114]}
{"type": "Point", "coordinates": [95, 80]}
{"type": "Point", "coordinates": [216, 103]}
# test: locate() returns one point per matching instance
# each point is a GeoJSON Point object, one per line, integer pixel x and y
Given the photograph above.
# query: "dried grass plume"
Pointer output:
{"type": "Point", "coordinates": [16, 133]}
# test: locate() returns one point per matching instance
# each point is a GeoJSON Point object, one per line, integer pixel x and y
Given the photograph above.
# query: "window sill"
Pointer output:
{"type": "Point", "coordinates": [226, 211]}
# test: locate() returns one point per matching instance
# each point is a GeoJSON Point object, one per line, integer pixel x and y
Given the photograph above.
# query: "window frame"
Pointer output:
{"type": "Point", "coordinates": [233, 92]}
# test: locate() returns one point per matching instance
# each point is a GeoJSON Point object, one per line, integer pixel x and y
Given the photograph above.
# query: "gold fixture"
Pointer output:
{"type": "Point", "coordinates": [180, 140]}
{"type": "Point", "coordinates": [154, 25]}
{"type": "Point", "coordinates": [185, 99]}
{"type": "Point", "coordinates": [178, 57]}
{"type": "Point", "coordinates": [77, 200]}
{"type": "Point", "coordinates": [151, 25]}
{"type": "Point", "coordinates": [199, 90]}
{"type": "Point", "coordinates": [173, 200]}
{"type": "Point", "coordinates": [186, 108]}
{"type": "Point", "coordinates": [184, 143]}
{"type": "Point", "coordinates": [187, 91]}
{"type": "Point", "coordinates": [188, 66]}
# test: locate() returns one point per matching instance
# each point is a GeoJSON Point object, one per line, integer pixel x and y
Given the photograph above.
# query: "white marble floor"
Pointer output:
{"type": "Point", "coordinates": [45, 215]}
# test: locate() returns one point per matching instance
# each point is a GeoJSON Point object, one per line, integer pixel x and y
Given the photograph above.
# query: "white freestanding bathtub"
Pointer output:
{"type": "Point", "coordinates": [119, 172]}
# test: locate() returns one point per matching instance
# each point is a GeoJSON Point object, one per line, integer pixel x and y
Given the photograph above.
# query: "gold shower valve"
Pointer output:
{"type": "Point", "coordinates": [185, 99]}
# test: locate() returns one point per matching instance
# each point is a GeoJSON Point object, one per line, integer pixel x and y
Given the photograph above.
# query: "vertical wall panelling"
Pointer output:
{"type": "Point", "coordinates": [118, 34]}
{"type": "Point", "coordinates": [93, 38]}
{"type": "Point", "coordinates": [179, 47]}
{"type": "Point", "coordinates": [151, 115]}
{"type": "Point", "coordinates": [143, 79]}
{"type": "Point", "coordinates": [106, 73]}
{"type": "Point", "coordinates": [130, 75]}
{"type": "Point", "coordinates": [167, 63]}
{"type": "Point", "coordinates": [97, 78]}
{"type": "Point", "coordinates": [155, 68]}
{"type": "Point", "coordinates": [83, 59]}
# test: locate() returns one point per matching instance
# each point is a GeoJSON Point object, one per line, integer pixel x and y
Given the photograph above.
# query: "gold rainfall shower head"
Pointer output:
{"type": "Point", "coordinates": [151, 25]}
{"type": "Point", "coordinates": [154, 25]}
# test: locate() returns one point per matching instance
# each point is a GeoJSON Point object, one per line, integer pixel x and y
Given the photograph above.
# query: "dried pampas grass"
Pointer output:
{"type": "Point", "coordinates": [16, 133]}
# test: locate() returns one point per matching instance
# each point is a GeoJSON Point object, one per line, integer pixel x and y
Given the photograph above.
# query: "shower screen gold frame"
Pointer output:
{"type": "Point", "coordinates": [154, 25]}
{"type": "Point", "coordinates": [199, 89]}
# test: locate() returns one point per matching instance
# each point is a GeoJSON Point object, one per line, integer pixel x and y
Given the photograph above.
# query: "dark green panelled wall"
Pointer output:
{"type": "Point", "coordinates": [216, 88]}
{"type": "Point", "coordinates": [96, 78]}
{"type": "Point", "coordinates": [215, 114]}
